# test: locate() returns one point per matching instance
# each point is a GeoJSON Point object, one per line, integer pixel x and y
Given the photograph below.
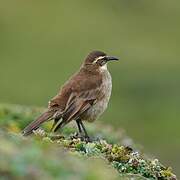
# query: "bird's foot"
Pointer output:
{"type": "Point", "coordinates": [76, 135]}
{"type": "Point", "coordinates": [88, 139]}
{"type": "Point", "coordinates": [92, 139]}
{"type": "Point", "coordinates": [82, 137]}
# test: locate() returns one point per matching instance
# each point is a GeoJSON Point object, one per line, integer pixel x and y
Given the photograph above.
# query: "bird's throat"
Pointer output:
{"type": "Point", "coordinates": [103, 68]}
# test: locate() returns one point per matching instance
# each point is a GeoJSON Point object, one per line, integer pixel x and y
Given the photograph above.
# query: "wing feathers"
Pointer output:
{"type": "Point", "coordinates": [73, 115]}
{"type": "Point", "coordinates": [77, 104]}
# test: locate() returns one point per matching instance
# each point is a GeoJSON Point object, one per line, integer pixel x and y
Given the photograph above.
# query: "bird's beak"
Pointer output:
{"type": "Point", "coordinates": [111, 58]}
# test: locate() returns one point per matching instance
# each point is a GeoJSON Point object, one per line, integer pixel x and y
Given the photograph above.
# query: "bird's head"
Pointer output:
{"type": "Point", "coordinates": [98, 60]}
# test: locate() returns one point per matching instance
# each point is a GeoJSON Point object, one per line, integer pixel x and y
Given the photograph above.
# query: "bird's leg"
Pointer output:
{"type": "Point", "coordinates": [79, 126]}
{"type": "Point", "coordinates": [87, 138]}
{"type": "Point", "coordinates": [79, 134]}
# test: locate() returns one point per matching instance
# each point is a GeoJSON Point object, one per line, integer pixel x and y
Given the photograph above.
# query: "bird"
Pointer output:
{"type": "Point", "coordinates": [84, 97]}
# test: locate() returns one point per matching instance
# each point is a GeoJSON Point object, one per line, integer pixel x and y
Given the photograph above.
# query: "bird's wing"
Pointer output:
{"type": "Point", "coordinates": [77, 104]}
{"type": "Point", "coordinates": [77, 96]}
{"type": "Point", "coordinates": [80, 102]}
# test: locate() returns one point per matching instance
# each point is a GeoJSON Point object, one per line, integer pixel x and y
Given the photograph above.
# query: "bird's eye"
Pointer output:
{"type": "Point", "coordinates": [101, 62]}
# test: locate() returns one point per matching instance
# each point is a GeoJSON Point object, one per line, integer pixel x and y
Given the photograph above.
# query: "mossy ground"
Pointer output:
{"type": "Point", "coordinates": [62, 156]}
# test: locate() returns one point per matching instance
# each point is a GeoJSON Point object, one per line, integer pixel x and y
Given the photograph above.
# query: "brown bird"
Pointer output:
{"type": "Point", "coordinates": [84, 97]}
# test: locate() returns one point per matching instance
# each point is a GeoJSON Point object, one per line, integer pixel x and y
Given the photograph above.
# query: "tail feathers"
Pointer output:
{"type": "Point", "coordinates": [37, 122]}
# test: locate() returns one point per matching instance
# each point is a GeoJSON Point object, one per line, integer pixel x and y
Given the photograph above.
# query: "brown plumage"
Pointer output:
{"type": "Point", "coordinates": [82, 98]}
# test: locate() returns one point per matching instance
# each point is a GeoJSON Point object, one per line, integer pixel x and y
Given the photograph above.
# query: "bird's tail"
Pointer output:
{"type": "Point", "coordinates": [37, 122]}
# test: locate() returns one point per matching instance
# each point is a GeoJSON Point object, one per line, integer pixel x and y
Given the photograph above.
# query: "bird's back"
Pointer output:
{"type": "Point", "coordinates": [82, 83]}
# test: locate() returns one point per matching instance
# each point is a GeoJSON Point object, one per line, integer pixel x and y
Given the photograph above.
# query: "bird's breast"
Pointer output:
{"type": "Point", "coordinates": [101, 104]}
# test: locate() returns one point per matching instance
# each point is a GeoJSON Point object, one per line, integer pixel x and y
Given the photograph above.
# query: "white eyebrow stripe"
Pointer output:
{"type": "Point", "coordinates": [100, 57]}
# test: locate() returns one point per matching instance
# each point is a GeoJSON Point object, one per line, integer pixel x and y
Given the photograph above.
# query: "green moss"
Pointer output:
{"type": "Point", "coordinates": [64, 156]}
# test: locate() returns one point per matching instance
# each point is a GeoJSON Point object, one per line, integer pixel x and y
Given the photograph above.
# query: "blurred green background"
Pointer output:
{"type": "Point", "coordinates": [43, 42]}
